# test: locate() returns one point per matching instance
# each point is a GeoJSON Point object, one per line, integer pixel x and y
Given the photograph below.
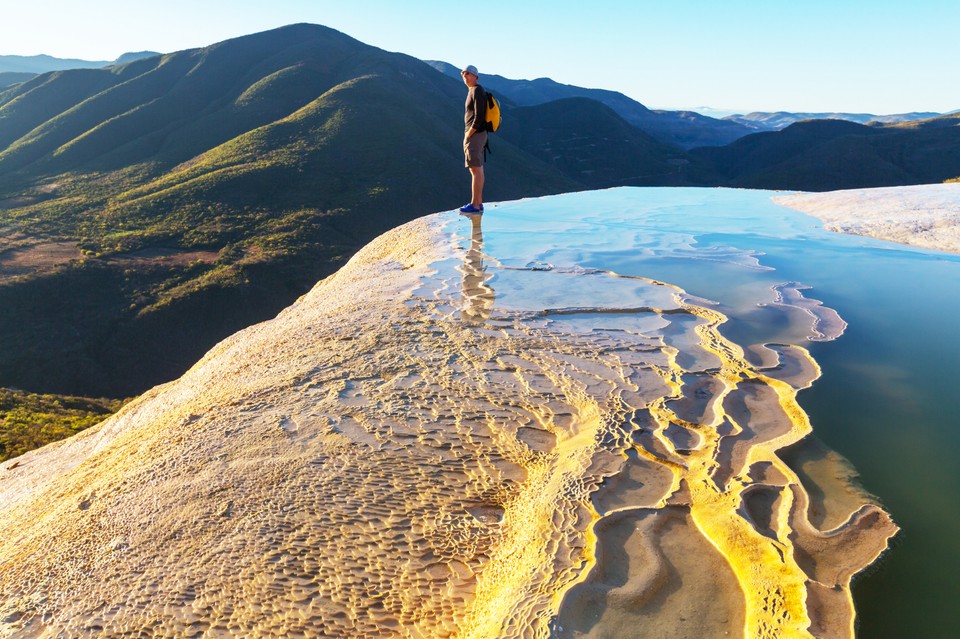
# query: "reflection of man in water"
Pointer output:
{"type": "Point", "coordinates": [477, 296]}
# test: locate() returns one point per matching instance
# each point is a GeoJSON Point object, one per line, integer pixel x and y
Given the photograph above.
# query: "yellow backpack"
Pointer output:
{"type": "Point", "coordinates": [493, 113]}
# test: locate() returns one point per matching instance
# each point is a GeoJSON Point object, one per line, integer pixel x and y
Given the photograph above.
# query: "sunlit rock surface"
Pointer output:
{"type": "Point", "coordinates": [926, 215]}
{"type": "Point", "coordinates": [460, 436]}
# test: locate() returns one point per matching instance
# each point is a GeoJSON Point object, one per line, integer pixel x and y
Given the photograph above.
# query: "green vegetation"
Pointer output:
{"type": "Point", "coordinates": [823, 155]}
{"type": "Point", "coordinates": [28, 420]}
{"type": "Point", "coordinates": [151, 209]}
{"type": "Point", "coordinates": [12, 77]}
{"type": "Point", "coordinates": [206, 190]}
{"type": "Point", "coordinates": [610, 152]}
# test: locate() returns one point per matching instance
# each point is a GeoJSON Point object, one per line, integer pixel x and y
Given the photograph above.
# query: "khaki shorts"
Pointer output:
{"type": "Point", "coordinates": [473, 149]}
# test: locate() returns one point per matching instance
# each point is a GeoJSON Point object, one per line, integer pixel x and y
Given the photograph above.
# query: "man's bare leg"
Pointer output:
{"type": "Point", "coordinates": [476, 186]}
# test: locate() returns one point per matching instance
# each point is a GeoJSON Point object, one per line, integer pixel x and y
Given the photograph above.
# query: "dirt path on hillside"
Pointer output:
{"type": "Point", "coordinates": [45, 256]}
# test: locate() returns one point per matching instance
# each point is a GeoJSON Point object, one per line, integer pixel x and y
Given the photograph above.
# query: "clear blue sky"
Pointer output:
{"type": "Point", "coordinates": [875, 56]}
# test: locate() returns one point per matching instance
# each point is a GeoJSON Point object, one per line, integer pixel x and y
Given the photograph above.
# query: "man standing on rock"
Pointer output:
{"type": "Point", "coordinates": [474, 137]}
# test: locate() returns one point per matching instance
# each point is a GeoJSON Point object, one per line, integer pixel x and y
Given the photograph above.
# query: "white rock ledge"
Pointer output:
{"type": "Point", "coordinates": [926, 216]}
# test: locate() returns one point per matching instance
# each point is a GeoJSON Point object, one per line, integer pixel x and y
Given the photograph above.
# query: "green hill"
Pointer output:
{"type": "Point", "coordinates": [14, 77]}
{"type": "Point", "coordinates": [823, 155]}
{"type": "Point", "coordinates": [28, 420]}
{"type": "Point", "coordinates": [150, 209]}
{"type": "Point", "coordinates": [590, 143]}
{"type": "Point", "coordinates": [194, 193]}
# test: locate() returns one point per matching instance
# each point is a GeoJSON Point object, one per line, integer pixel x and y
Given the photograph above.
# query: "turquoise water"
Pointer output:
{"type": "Point", "coordinates": [886, 400]}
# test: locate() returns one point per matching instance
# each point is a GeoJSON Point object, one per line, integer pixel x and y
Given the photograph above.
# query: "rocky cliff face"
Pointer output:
{"type": "Point", "coordinates": [193, 507]}
{"type": "Point", "coordinates": [406, 452]}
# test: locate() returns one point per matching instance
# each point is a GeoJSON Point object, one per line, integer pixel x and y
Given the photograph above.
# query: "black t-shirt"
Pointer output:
{"type": "Point", "coordinates": [475, 109]}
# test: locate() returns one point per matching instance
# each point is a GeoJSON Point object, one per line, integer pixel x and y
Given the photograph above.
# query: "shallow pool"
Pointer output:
{"type": "Point", "coordinates": [886, 399]}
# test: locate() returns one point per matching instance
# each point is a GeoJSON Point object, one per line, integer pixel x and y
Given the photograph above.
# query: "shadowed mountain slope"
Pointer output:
{"type": "Point", "coordinates": [204, 190]}
{"type": "Point", "coordinates": [170, 108]}
{"type": "Point", "coordinates": [588, 142]}
{"type": "Point", "coordinates": [823, 155]}
{"type": "Point", "coordinates": [149, 209]}
{"type": "Point", "coordinates": [34, 64]}
{"type": "Point", "coordinates": [683, 129]}
{"type": "Point", "coordinates": [13, 77]}
{"type": "Point", "coordinates": [17, 68]}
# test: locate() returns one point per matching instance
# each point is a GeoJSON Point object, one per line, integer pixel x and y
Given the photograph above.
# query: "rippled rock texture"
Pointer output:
{"type": "Point", "coordinates": [433, 443]}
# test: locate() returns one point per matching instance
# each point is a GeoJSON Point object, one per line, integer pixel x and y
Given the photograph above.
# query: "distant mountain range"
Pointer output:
{"type": "Point", "coordinates": [687, 129]}
{"type": "Point", "coordinates": [8, 78]}
{"type": "Point", "coordinates": [46, 63]}
{"type": "Point", "coordinates": [588, 142]}
{"type": "Point", "coordinates": [764, 121]}
{"type": "Point", "coordinates": [683, 129]}
{"type": "Point", "coordinates": [20, 68]}
{"type": "Point", "coordinates": [193, 193]}
{"type": "Point", "coordinates": [824, 155]}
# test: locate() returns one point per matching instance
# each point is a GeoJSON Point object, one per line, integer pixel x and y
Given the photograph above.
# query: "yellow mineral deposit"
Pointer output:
{"type": "Point", "coordinates": [399, 455]}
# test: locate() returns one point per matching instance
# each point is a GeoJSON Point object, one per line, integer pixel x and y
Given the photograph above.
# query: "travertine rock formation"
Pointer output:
{"type": "Point", "coordinates": [397, 455]}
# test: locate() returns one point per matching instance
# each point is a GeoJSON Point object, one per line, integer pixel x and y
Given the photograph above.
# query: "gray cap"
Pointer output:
{"type": "Point", "coordinates": [470, 69]}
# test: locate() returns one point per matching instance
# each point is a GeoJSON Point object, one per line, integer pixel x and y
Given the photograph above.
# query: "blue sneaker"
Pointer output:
{"type": "Point", "coordinates": [470, 208]}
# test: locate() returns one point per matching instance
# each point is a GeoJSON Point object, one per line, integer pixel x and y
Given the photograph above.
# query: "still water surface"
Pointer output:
{"type": "Point", "coordinates": [887, 399]}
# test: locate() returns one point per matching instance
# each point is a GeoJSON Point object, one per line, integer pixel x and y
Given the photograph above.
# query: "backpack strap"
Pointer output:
{"type": "Point", "coordinates": [486, 149]}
